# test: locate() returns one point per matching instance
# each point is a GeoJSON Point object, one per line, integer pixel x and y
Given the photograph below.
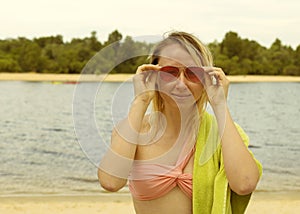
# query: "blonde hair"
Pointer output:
{"type": "Point", "coordinates": [201, 56]}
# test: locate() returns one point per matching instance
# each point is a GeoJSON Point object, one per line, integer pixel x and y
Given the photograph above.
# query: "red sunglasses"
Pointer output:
{"type": "Point", "coordinates": [171, 73]}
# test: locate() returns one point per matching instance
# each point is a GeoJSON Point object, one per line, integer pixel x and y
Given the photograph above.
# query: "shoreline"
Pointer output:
{"type": "Point", "coordinates": [261, 202]}
{"type": "Point", "coordinates": [75, 78]}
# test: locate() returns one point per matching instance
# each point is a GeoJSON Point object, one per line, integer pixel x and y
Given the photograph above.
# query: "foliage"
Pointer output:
{"type": "Point", "coordinates": [237, 56]}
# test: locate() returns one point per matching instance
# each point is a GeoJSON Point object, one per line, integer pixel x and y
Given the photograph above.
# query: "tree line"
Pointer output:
{"type": "Point", "coordinates": [236, 55]}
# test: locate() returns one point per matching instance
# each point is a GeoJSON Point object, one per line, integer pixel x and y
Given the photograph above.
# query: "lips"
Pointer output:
{"type": "Point", "coordinates": [181, 96]}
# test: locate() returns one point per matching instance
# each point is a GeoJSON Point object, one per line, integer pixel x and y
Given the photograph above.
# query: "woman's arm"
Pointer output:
{"type": "Point", "coordinates": [116, 164]}
{"type": "Point", "coordinates": [240, 167]}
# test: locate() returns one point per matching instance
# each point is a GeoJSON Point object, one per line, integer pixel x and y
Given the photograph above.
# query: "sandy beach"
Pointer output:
{"type": "Point", "coordinates": [275, 203]}
{"type": "Point", "coordinates": [73, 78]}
{"type": "Point", "coordinates": [108, 203]}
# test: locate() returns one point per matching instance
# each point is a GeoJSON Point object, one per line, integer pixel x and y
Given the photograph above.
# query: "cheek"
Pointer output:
{"type": "Point", "coordinates": [197, 91]}
{"type": "Point", "coordinates": [165, 87]}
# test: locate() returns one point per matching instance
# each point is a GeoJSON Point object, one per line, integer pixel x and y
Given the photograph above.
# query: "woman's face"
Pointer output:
{"type": "Point", "coordinates": [181, 91]}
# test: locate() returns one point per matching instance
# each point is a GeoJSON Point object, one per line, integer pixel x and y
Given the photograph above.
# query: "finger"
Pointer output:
{"type": "Point", "coordinates": [151, 80]}
{"type": "Point", "coordinates": [209, 80]}
{"type": "Point", "coordinates": [147, 67]}
{"type": "Point", "coordinates": [210, 69]}
{"type": "Point", "coordinates": [221, 72]}
{"type": "Point", "coordinates": [143, 73]}
{"type": "Point", "coordinates": [217, 76]}
{"type": "Point", "coordinates": [152, 76]}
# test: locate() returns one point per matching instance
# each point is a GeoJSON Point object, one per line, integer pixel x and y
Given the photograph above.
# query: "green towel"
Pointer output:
{"type": "Point", "coordinates": [211, 192]}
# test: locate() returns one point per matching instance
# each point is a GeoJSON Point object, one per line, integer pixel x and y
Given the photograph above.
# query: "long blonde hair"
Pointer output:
{"type": "Point", "coordinates": [201, 56]}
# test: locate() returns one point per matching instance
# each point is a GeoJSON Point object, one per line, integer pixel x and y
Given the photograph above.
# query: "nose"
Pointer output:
{"type": "Point", "coordinates": [181, 81]}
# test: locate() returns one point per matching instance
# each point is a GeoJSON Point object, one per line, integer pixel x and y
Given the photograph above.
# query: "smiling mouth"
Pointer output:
{"type": "Point", "coordinates": [181, 96]}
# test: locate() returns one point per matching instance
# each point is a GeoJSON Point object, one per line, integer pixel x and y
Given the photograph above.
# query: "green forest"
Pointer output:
{"type": "Point", "coordinates": [236, 55]}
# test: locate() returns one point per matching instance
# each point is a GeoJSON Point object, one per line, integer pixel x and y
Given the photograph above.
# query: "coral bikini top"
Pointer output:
{"type": "Point", "coordinates": [148, 181]}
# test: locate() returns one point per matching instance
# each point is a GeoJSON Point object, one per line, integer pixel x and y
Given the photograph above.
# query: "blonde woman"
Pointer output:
{"type": "Point", "coordinates": [179, 158]}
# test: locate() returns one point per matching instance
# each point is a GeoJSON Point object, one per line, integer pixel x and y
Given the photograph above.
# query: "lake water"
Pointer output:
{"type": "Point", "coordinates": [40, 153]}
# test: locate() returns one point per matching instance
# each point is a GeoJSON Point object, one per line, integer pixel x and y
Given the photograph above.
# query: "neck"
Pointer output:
{"type": "Point", "coordinates": [179, 118]}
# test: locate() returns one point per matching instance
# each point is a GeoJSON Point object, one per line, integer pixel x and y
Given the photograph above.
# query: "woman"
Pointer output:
{"type": "Point", "coordinates": [179, 158]}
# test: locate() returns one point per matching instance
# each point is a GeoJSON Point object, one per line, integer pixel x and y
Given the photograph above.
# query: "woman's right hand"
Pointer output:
{"type": "Point", "coordinates": [144, 82]}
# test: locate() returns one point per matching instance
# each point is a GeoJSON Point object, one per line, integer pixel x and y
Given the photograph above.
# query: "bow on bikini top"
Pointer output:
{"type": "Point", "coordinates": [148, 181]}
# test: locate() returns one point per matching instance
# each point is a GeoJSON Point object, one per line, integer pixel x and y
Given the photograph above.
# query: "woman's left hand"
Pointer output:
{"type": "Point", "coordinates": [216, 85]}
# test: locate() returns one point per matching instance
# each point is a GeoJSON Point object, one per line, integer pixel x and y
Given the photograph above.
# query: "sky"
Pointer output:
{"type": "Point", "coordinates": [259, 20]}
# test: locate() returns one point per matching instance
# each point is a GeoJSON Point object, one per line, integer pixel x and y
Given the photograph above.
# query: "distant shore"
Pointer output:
{"type": "Point", "coordinates": [261, 202]}
{"type": "Point", "coordinates": [74, 78]}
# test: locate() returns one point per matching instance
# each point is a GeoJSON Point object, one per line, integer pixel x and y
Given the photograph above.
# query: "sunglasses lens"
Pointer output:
{"type": "Point", "coordinates": [195, 74]}
{"type": "Point", "coordinates": [169, 73]}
